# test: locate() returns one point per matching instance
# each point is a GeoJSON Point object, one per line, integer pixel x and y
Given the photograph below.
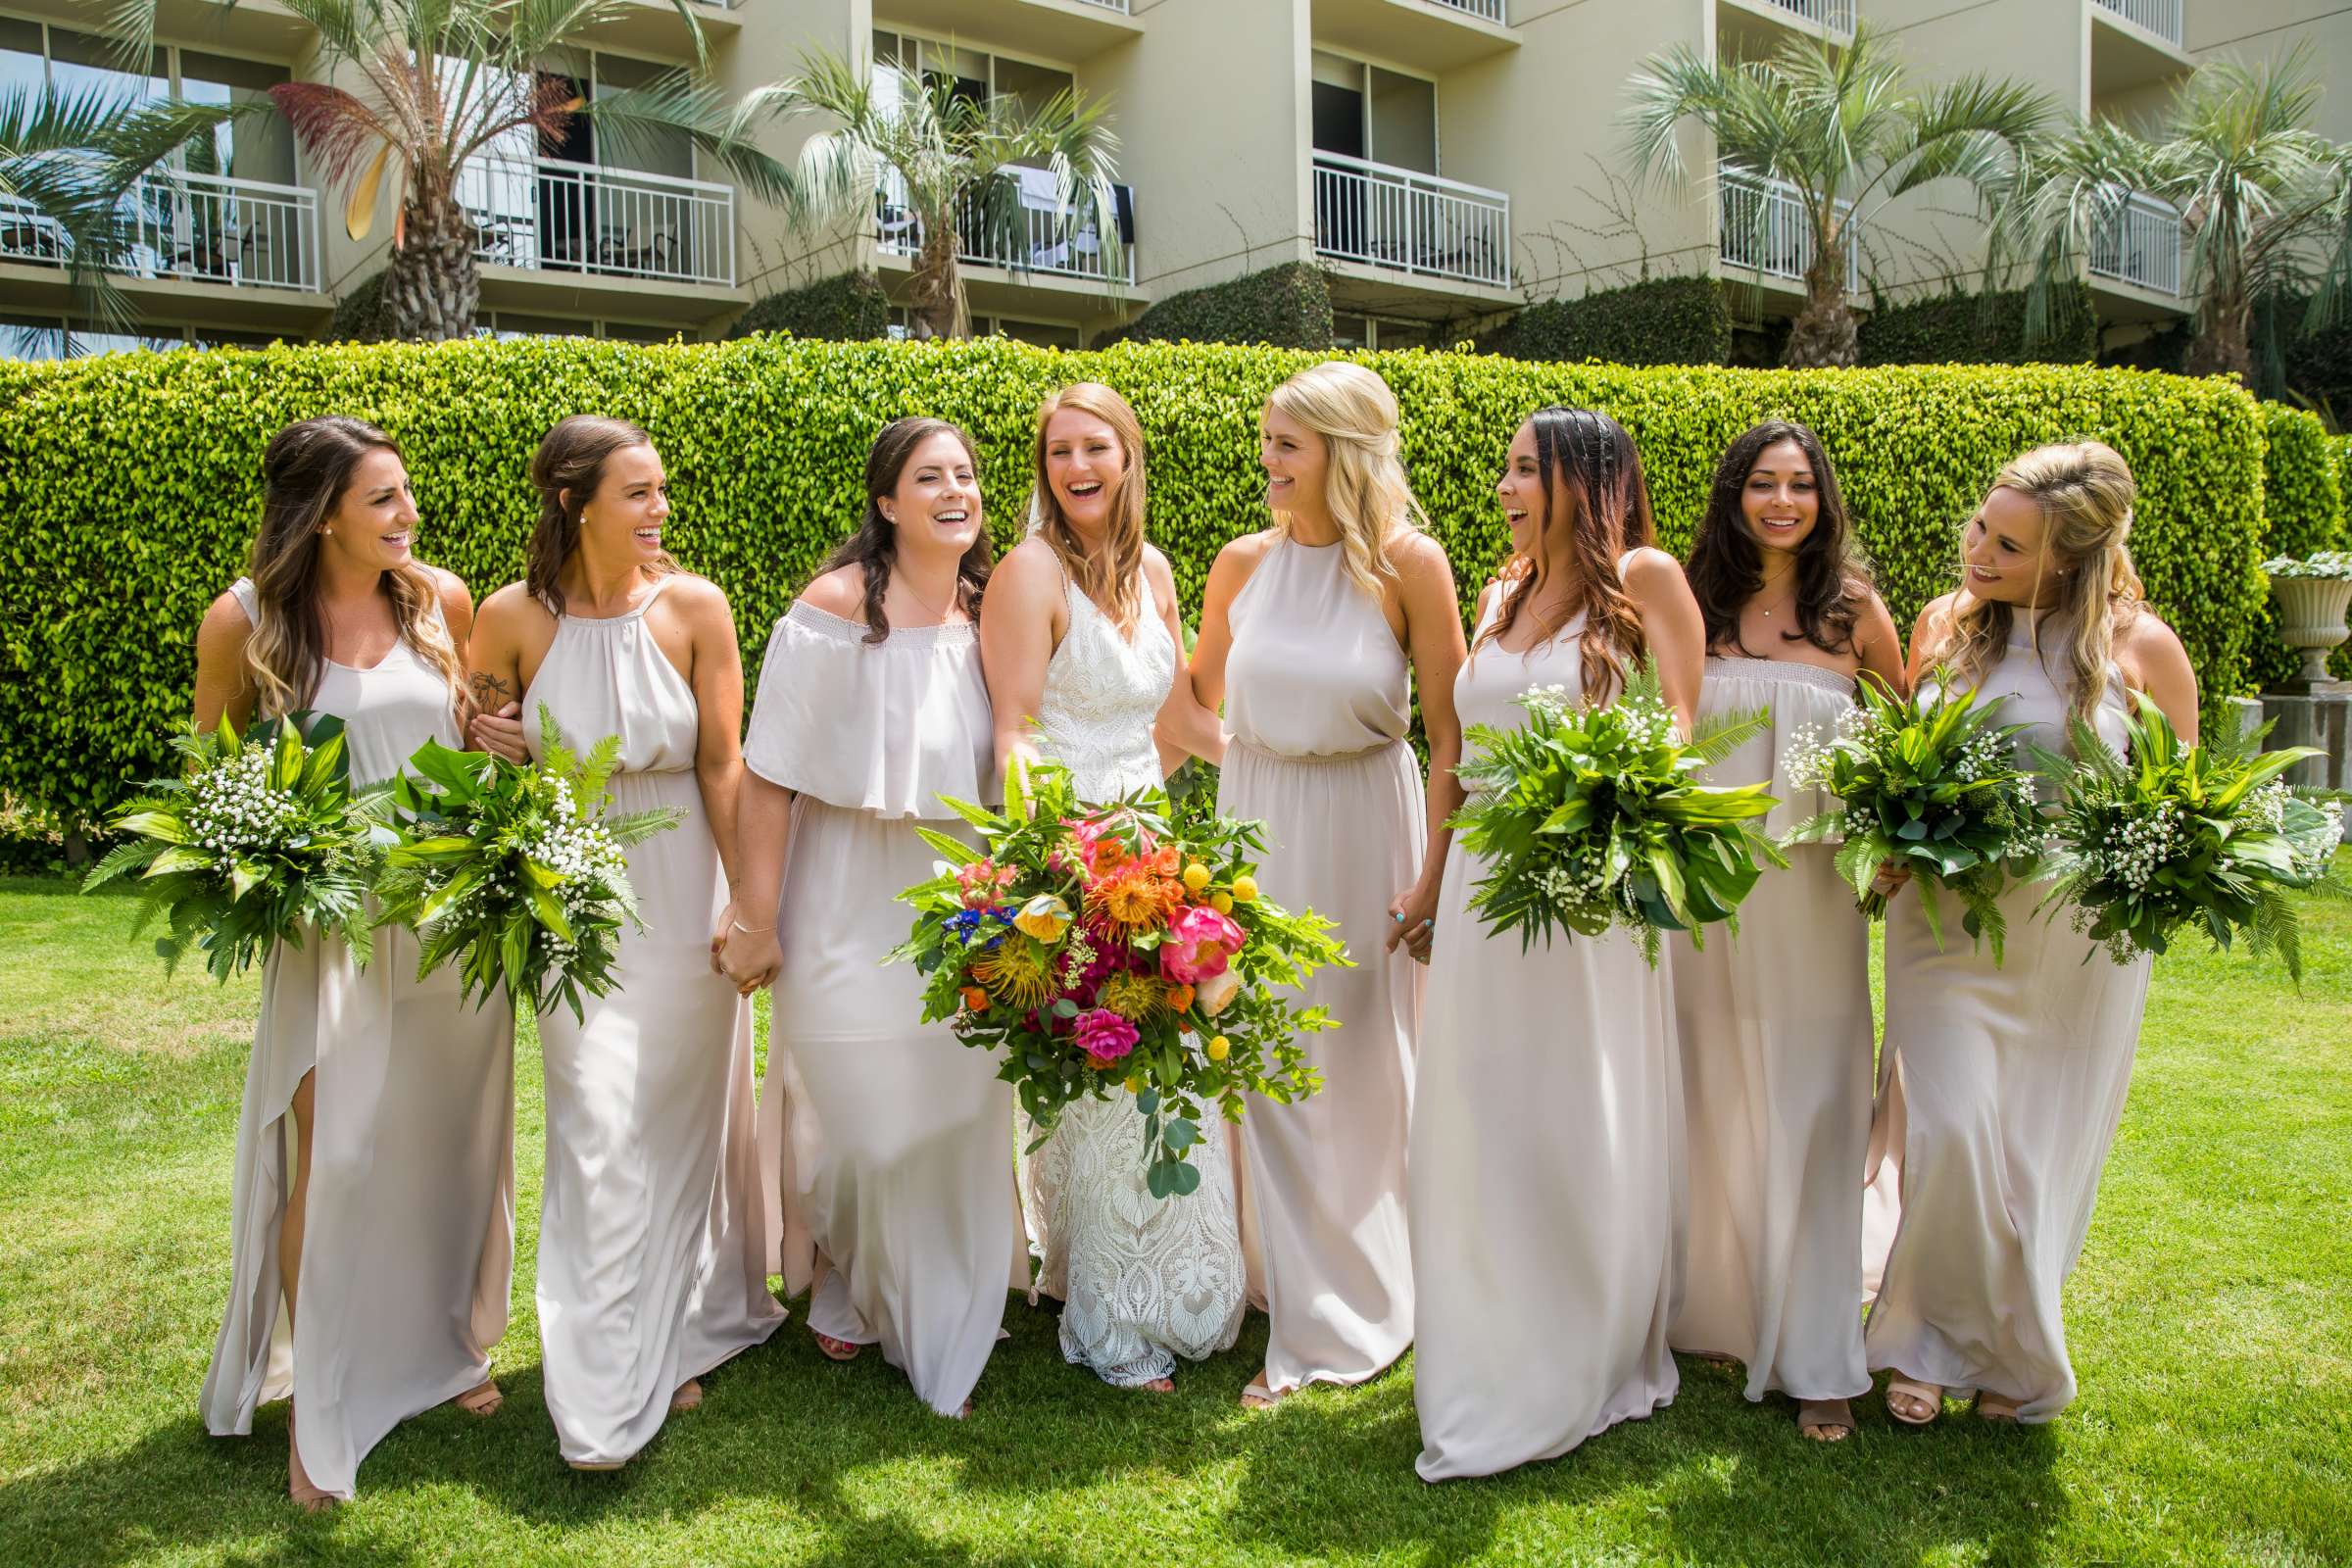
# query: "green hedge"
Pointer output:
{"type": "Point", "coordinates": [130, 480]}
{"type": "Point", "coordinates": [1668, 320]}
{"type": "Point", "coordinates": [846, 307]}
{"type": "Point", "coordinates": [1287, 307]}
{"type": "Point", "coordinates": [1981, 329]}
{"type": "Point", "coordinates": [2303, 512]}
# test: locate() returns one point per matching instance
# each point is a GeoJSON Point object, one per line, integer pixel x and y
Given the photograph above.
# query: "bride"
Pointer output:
{"type": "Point", "coordinates": [1080, 641]}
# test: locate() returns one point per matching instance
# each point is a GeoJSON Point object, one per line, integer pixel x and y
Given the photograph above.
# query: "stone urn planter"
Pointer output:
{"type": "Point", "coordinates": [2313, 595]}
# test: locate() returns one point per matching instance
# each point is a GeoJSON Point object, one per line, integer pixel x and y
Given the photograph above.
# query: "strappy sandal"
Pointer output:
{"type": "Point", "coordinates": [689, 1395]}
{"type": "Point", "coordinates": [1825, 1420]}
{"type": "Point", "coordinates": [299, 1491]}
{"type": "Point", "coordinates": [1258, 1396]}
{"type": "Point", "coordinates": [1993, 1407]}
{"type": "Point", "coordinates": [482, 1400]}
{"type": "Point", "coordinates": [836, 1350]}
{"type": "Point", "coordinates": [1927, 1394]}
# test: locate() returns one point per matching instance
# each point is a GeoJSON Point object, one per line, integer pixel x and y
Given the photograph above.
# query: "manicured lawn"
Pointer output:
{"type": "Point", "coordinates": [2211, 1321]}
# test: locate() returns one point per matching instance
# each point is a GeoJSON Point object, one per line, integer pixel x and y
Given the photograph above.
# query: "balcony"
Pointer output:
{"type": "Point", "coordinates": [205, 228]}
{"type": "Point", "coordinates": [2140, 245]}
{"type": "Point", "coordinates": [1766, 230]}
{"type": "Point", "coordinates": [1067, 31]}
{"type": "Point", "coordinates": [1431, 36]}
{"type": "Point", "coordinates": [1484, 10]}
{"type": "Point", "coordinates": [1406, 222]}
{"type": "Point", "coordinates": [547, 215]}
{"type": "Point", "coordinates": [1032, 236]}
{"type": "Point", "coordinates": [2163, 18]}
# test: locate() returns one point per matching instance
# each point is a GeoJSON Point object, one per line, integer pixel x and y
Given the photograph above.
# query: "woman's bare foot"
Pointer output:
{"type": "Point", "coordinates": [689, 1395]}
{"type": "Point", "coordinates": [304, 1495]}
{"type": "Point", "coordinates": [1825, 1420]}
{"type": "Point", "coordinates": [836, 1350]}
{"type": "Point", "coordinates": [482, 1400]}
{"type": "Point", "coordinates": [1912, 1402]}
{"type": "Point", "coordinates": [1158, 1386]}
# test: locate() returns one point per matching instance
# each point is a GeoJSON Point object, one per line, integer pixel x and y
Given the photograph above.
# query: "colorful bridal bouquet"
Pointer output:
{"type": "Point", "coordinates": [1931, 784]}
{"type": "Point", "coordinates": [261, 838]}
{"type": "Point", "coordinates": [516, 871]}
{"type": "Point", "coordinates": [2172, 836]}
{"type": "Point", "coordinates": [1588, 817]}
{"type": "Point", "coordinates": [1124, 944]}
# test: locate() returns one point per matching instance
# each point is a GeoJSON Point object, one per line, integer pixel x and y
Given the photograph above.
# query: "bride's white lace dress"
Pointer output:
{"type": "Point", "coordinates": [1143, 1279]}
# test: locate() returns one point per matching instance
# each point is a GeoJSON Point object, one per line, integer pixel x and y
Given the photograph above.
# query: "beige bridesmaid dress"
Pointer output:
{"type": "Point", "coordinates": [2001, 1092]}
{"type": "Point", "coordinates": [1545, 1169]}
{"type": "Point", "coordinates": [1318, 698]}
{"type": "Point", "coordinates": [887, 1139]}
{"type": "Point", "coordinates": [1776, 1036]}
{"type": "Point", "coordinates": [651, 1265]}
{"type": "Point", "coordinates": [408, 1225]}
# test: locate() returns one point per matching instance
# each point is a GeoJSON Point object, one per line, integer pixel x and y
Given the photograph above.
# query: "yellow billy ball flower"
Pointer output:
{"type": "Point", "coordinates": [1245, 888]}
{"type": "Point", "coordinates": [1223, 903]}
{"type": "Point", "coordinates": [1196, 878]}
{"type": "Point", "coordinates": [1135, 1083]}
{"type": "Point", "coordinates": [1219, 1048]}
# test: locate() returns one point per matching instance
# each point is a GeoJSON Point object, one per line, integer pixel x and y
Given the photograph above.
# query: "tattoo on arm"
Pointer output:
{"type": "Point", "coordinates": [489, 692]}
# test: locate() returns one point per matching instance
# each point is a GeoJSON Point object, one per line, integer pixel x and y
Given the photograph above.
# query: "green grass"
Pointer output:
{"type": "Point", "coordinates": [2211, 1322]}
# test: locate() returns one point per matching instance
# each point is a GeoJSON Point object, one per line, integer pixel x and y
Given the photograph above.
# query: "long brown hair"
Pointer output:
{"type": "Point", "coordinates": [305, 471]}
{"type": "Point", "coordinates": [1110, 584]}
{"type": "Point", "coordinates": [874, 548]}
{"type": "Point", "coordinates": [1586, 457]}
{"type": "Point", "coordinates": [566, 471]}
{"type": "Point", "coordinates": [2085, 490]}
{"type": "Point", "coordinates": [1727, 566]}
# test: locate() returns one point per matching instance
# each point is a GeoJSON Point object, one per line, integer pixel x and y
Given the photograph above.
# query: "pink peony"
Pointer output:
{"type": "Point", "coordinates": [1104, 1035]}
{"type": "Point", "coordinates": [1199, 942]}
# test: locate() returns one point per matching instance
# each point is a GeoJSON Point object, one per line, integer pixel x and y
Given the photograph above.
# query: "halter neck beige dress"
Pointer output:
{"type": "Point", "coordinates": [651, 1232]}
{"type": "Point", "coordinates": [885, 1136]}
{"type": "Point", "coordinates": [408, 1246]}
{"type": "Point", "coordinates": [1777, 1038]}
{"type": "Point", "coordinates": [1545, 1164]}
{"type": "Point", "coordinates": [1318, 698]}
{"type": "Point", "coordinates": [1142, 1280]}
{"type": "Point", "coordinates": [2002, 1089]}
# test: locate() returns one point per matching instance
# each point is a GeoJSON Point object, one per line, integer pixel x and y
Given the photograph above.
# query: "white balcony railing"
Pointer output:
{"type": "Point", "coordinates": [1484, 10]}
{"type": "Point", "coordinates": [1410, 222]}
{"type": "Point", "coordinates": [2140, 245]}
{"type": "Point", "coordinates": [1017, 236]}
{"type": "Point", "coordinates": [208, 228]}
{"type": "Point", "coordinates": [1766, 229]}
{"type": "Point", "coordinates": [1120, 6]}
{"type": "Point", "coordinates": [1837, 15]}
{"type": "Point", "coordinates": [2160, 17]}
{"type": "Point", "coordinates": [547, 215]}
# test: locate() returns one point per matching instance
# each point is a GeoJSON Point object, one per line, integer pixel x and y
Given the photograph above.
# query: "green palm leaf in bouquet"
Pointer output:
{"type": "Point", "coordinates": [1589, 817]}
{"type": "Point", "coordinates": [2167, 837]}
{"type": "Point", "coordinates": [259, 840]}
{"type": "Point", "coordinates": [515, 873]}
{"type": "Point", "coordinates": [1929, 784]}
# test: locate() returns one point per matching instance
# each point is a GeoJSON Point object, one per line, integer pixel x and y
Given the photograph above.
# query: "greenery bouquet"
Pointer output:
{"type": "Point", "coordinates": [1092, 945]}
{"type": "Point", "coordinates": [517, 872]}
{"type": "Point", "coordinates": [1931, 784]}
{"type": "Point", "coordinates": [1590, 817]}
{"type": "Point", "coordinates": [260, 839]}
{"type": "Point", "coordinates": [2171, 836]}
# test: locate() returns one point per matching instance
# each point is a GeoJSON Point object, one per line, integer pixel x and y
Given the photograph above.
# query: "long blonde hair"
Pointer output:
{"type": "Point", "coordinates": [305, 471]}
{"type": "Point", "coordinates": [1364, 486]}
{"type": "Point", "coordinates": [1111, 583]}
{"type": "Point", "coordinates": [2085, 490]}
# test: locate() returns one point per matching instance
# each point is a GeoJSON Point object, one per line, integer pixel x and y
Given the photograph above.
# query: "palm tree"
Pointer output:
{"type": "Point", "coordinates": [949, 152]}
{"type": "Point", "coordinates": [2266, 203]}
{"type": "Point", "coordinates": [1840, 125]}
{"type": "Point", "coordinates": [441, 81]}
{"type": "Point", "coordinates": [67, 163]}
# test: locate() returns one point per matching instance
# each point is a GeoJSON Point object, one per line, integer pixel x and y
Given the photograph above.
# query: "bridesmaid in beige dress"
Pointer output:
{"type": "Point", "coordinates": [2003, 1085]}
{"type": "Point", "coordinates": [651, 1270]}
{"type": "Point", "coordinates": [1545, 1164]}
{"type": "Point", "coordinates": [373, 1249]}
{"type": "Point", "coordinates": [889, 1139]}
{"type": "Point", "coordinates": [1310, 632]}
{"type": "Point", "coordinates": [1775, 1025]}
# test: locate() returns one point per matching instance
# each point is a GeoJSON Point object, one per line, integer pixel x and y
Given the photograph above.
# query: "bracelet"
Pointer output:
{"type": "Point", "coordinates": [750, 930]}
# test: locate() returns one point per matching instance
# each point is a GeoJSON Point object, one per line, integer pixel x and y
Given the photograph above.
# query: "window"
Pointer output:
{"type": "Point", "coordinates": [259, 146]}
{"type": "Point", "coordinates": [975, 75]}
{"type": "Point", "coordinates": [1363, 111]}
